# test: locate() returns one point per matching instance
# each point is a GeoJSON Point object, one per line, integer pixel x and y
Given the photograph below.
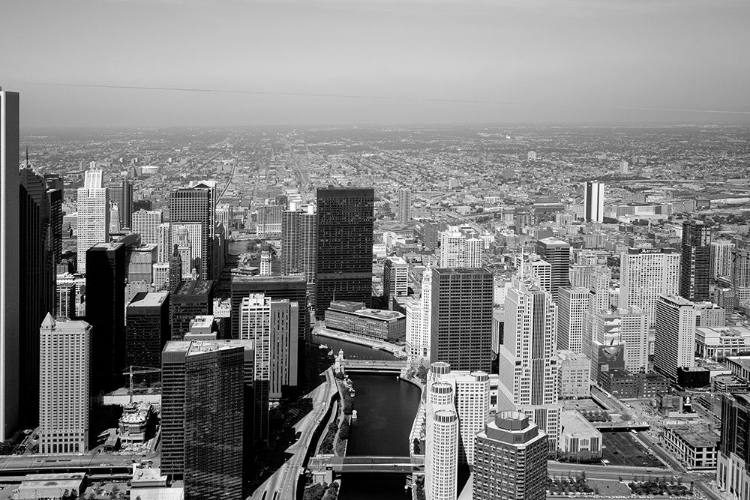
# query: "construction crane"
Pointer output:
{"type": "Point", "coordinates": [138, 370]}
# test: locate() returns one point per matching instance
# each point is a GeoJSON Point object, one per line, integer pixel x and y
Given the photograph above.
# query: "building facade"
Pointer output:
{"type": "Point", "coordinates": [593, 202]}
{"type": "Point", "coordinates": [645, 274]}
{"type": "Point", "coordinates": [557, 253]}
{"type": "Point", "coordinates": [695, 271]}
{"type": "Point", "coordinates": [674, 344]}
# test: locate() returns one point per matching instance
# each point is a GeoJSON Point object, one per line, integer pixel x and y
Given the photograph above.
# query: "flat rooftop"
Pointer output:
{"type": "Point", "coordinates": [149, 299]}
{"type": "Point", "coordinates": [197, 287]}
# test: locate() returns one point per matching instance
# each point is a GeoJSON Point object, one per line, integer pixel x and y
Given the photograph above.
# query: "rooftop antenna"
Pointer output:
{"type": "Point", "coordinates": [521, 278]}
{"type": "Point", "coordinates": [27, 156]}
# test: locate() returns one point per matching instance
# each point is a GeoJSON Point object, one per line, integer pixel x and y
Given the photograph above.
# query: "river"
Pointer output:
{"type": "Point", "coordinates": [385, 408]}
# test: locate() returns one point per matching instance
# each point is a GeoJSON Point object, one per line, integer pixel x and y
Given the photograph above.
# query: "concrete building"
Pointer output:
{"type": "Point", "coordinates": [65, 380]}
{"type": "Point", "coordinates": [473, 257]}
{"type": "Point", "coordinates": [452, 248]}
{"type": "Point", "coordinates": [510, 461]}
{"type": "Point", "coordinates": [722, 342]}
{"type": "Point", "coordinates": [354, 318]}
{"type": "Point", "coordinates": [404, 205]}
{"type": "Point", "coordinates": [395, 278]}
{"type": "Point", "coordinates": [93, 216]}
{"type": "Point", "coordinates": [573, 372]}
{"type": "Point", "coordinates": [461, 318]}
{"type": "Point", "coordinates": [721, 259]}
{"type": "Point", "coordinates": [573, 304]}
{"type": "Point", "coordinates": [674, 345]}
{"type": "Point", "coordinates": [694, 445]}
{"type": "Point", "coordinates": [593, 201]}
{"type": "Point", "coordinates": [579, 439]}
{"type": "Point", "coordinates": [708, 314]}
{"type": "Point", "coordinates": [51, 486]}
{"type": "Point", "coordinates": [645, 274]}
{"type": "Point", "coordinates": [299, 245]}
{"type": "Point", "coordinates": [146, 223]}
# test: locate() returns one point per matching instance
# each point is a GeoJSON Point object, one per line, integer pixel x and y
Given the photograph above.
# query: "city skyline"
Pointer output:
{"type": "Point", "coordinates": [403, 62]}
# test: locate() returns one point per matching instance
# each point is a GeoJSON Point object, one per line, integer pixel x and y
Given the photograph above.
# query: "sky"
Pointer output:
{"type": "Point", "coordinates": [98, 63]}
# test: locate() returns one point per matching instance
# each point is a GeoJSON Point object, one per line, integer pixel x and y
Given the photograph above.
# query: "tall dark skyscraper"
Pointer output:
{"type": "Point", "coordinates": [557, 254]}
{"type": "Point", "coordinates": [105, 312]}
{"type": "Point", "coordinates": [197, 203]}
{"type": "Point", "coordinates": [175, 270]}
{"type": "Point", "coordinates": [189, 299]}
{"type": "Point", "coordinates": [734, 447]}
{"type": "Point", "coordinates": [461, 331]}
{"type": "Point", "coordinates": [345, 224]}
{"type": "Point", "coordinates": [299, 245]}
{"type": "Point", "coordinates": [122, 195]}
{"type": "Point", "coordinates": [696, 261]}
{"type": "Point", "coordinates": [55, 199]}
{"type": "Point", "coordinates": [37, 285]}
{"type": "Point", "coordinates": [147, 329]}
{"type": "Point", "coordinates": [9, 264]}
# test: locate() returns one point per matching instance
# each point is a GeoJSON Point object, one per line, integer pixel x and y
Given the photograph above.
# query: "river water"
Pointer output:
{"type": "Point", "coordinates": [386, 407]}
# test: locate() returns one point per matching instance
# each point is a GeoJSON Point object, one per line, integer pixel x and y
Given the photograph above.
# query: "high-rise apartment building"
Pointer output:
{"type": "Point", "coordinates": [299, 244]}
{"type": "Point", "coordinates": [593, 202]}
{"type": "Point", "coordinates": [147, 329]}
{"type": "Point", "coordinates": [345, 223]}
{"type": "Point", "coordinates": [188, 300]}
{"type": "Point", "coordinates": [696, 261]}
{"type": "Point", "coordinates": [645, 274]}
{"type": "Point", "coordinates": [441, 443]}
{"type": "Point", "coordinates": [214, 421]}
{"type": "Point", "coordinates": [276, 287]}
{"type": "Point", "coordinates": [93, 216]}
{"type": "Point", "coordinates": [510, 462]}
{"type": "Point", "coordinates": [197, 203]}
{"type": "Point", "coordinates": [146, 223]}
{"type": "Point", "coordinates": [404, 205]}
{"type": "Point", "coordinates": [105, 312]}
{"type": "Point", "coordinates": [395, 278]}
{"type": "Point", "coordinates": [452, 248]}
{"type": "Point", "coordinates": [473, 256]}
{"type": "Point", "coordinates": [461, 318]}
{"type": "Point", "coordinates": [573, 304]}
{"type": "Point", "coordinates": [527, 361]}
{"type": "Point", "coordinates": [557, 253]}
{"type": "Point", "coordinates": [721, 259]}
{"type": "Point", "coordinates": [196, 410]}
{"type": "Point", "coordinates": [674, 344]}
{"type": "Point", "coordinates": [65, 379]}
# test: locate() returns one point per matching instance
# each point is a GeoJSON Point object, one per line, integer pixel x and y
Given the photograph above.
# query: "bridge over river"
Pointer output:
{"type": "Point", "coordinates": [374, 365]}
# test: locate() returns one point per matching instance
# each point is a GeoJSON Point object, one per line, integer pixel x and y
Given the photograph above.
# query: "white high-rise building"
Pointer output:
{"type": "Point", "coordinates": [474, 252]}
{"type": "Point", "coordinates": [164, 242]}
{"type": "Point", "coordinates": [146, 223]}
{"type": "Point", "coordinates": [255, 324]}
{"type": "Point", "coordinates": [628, 327]}
{"type": "Point", "coordinates": [395, 278]}
{"type": "Point", "coordinates": [527, 359]}
{"type": "Point", "coordinates": [413, 308]}
{"type": "Point", "coordinates": [573, 304]}
{"type": "Point", "coordinates": [441, 442]}
{"type": "Point", "coordinates": [675, 335]}
{"type": "Point", "coordinates": [419, 326]}
{"type": "Point", "coordinates": [452, 248]}
{"type": "Point", "coordinates": [646, 274]}
{"type": "Point", "coordinates": [593, 202]}
{"type": "Point", "coordinates": [404, 205]}
{"type": "Point", "coordinates": [721, 258]}
{"type": "Point", "coordinates": [161, 275]}
{"type": "Point", "coordinates": [64, 385]}
{"type": "Point", "coordinates": [93, 216]}
{"type": "Point", "coordinates": [10, 220]}
{"type": "Point", "coordinates": [598, 284]}
{"type": "Point", "coordinates": [265, 263]}
{"type": "Point", "coordinates": [541, 270]}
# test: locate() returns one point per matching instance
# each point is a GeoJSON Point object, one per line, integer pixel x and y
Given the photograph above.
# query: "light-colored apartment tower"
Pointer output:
{"type": "Point", "coordinates": [721, 259]}
{"type": "Point", "coordinates": [527, 359]}
{"type": "Point", "coordinates": [474, 252]}
{"type": "Point", "coordinates": [93, 216]}
{"type": "Point", "coordinates": [646, 274]}
{"type": "Point", "coordinates": [404, 205]}
{"type": "Point", "coordinates": [9, 264]}
{"type": "Point", "coordinates": [65, 378]}
{"type": "Point", "coordinates": [593, 201]}
{"type": "Point", "coordinates": [452, 248]}
{"type": "Point", "coordinates": [674, 345]}
{"type": "Point", "coordinates": [573, 304]}
{"type": "Point", "coordinates": [441, 443]}
{"type": "Point", "coordinates": [146, 223]}
{"type": "Point", "coordinates": [299, 244]}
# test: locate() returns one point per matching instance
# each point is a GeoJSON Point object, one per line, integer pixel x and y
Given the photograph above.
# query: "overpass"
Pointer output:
{"type": "Point", "coordinates": [374, 365]}
{"type": "Point", "coordinates": [376, 464]}
{"type": "Point", "coordinates": [621, 426]}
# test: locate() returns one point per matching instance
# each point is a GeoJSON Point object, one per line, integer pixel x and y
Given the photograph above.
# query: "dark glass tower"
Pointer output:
{"type": "Point", "coordinates": [345, 223]}
{"type": "Point", "coordinates": [37, 284]}
{"type": "Point", "coordinates": [696, 261]}
{"type": "Point", "coordinates": [147, 329]}
{"type": "Point", "coordinates": [196, 203]}
{"type": "Point", "coordinates": [106, 271]}
{"type": "Point", "coordinates": [557, 253]}
{"type": "Point", "coordinates": [190, 299]}
{"type": "Point", "coordinates": [55, 199]}
{"type": "Point", "coordinates": [462, 318]}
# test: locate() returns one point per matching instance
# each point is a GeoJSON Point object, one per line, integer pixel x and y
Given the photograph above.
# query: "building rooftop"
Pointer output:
{"type": "Point", "coordinates": [149, 299]}
{"type": "Point", "coordinates": [187, 346]}
{"type": "Point", "coordinates": [572, 422]}
{"type": "Point", "coordinates": [697, 436]}
{"type": "Point", "coordinates": [196, 287]}
{"type": "Point", "coordinates": [554, 242]}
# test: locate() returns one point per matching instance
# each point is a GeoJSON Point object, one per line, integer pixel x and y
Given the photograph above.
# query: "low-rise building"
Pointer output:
{"type": "Point", "coordinates": [695, 445]}
{"type": "Point", "coordinates": [721, 342]}
{"type": "Point", "coordinates": [579, 439]}
{"type": "Point", "coordinates": [353, 317]}
{"type": "Point", "coordinates": [623, 384]}
{"type": "Point", "coordinates": [51, 486]}
{"type": "Point", "coordinates": [573, 370]}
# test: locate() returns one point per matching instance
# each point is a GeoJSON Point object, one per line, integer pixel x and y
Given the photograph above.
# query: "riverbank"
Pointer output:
{"type": "Point", "coordinates": [395, 350]}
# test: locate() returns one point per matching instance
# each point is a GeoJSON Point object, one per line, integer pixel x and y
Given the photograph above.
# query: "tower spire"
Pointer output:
{"type": "Point", "coordinates": [27, 156]}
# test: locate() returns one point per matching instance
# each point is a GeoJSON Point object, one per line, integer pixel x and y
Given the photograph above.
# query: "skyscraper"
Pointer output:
{"type": "Point", "coordinates": [65, 372]}
{"type": "Point", "coordinates": [441, 443]}
{"type": "Point", "coordinates": [721, 259]}
{"type": "Point", "coordinates": [674, 344]}
{"type": "Point", "coordinates": [55, 200]}
{"type": "Point", "coordinates": [461, 322]}
{"type": "Point", "coordinates": [404, 205]}
{"type": "Point", "coordinates": [197, 203]}
{"type": "Point", "coordinates": [573, 304]}
{"type": "Point", "coordinates": [645, 274]}
{"type": "Point", "coordinates": [395, 278]}
{"type": "Point", "coordinates": [276, 287]}
{"type": "Point", "coordinates": [105, 312]}
{"type": "Point", "coordinates": [214, 421]}
{"type": "Point", "coordinates": [121, 194]}
{"type": "Point", "coordinates": [593, 202]}
{"type": "Point", "coordinates": [146, 223]}
{"type": "Point", "coordinates": [696, 261]}
{"type": "Point", "coordinates": [345, 224]}
{"type": "Point", "coordinates": [732, 473]}
{"type": "Point", "coordinates": [473, 257]}
{"type": "Point", "coordinates": [93, 216]}
{"type": "Point", "coordinates": [510, 462]}
{"type": "Point", "coordinates": [527, 360]}
{"type": "Point", "coordinates": [147, 329]}
{"type": "Point", "coordinates": [37, 285]}
{"type": "Point", "coordinates": [188, 300]}
{"type": "Point", "coordinates": [452, 248]}
{"type": "Point", "coordinates": [299, 245]}
{"type": "Point", "coordinates": [557, 253]}
{"type": "Point", "coordinates": [9, 264]}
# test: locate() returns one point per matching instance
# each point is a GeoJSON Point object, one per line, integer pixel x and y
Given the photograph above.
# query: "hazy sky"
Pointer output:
{"type": "Point", "coordinates": [547, 60]}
